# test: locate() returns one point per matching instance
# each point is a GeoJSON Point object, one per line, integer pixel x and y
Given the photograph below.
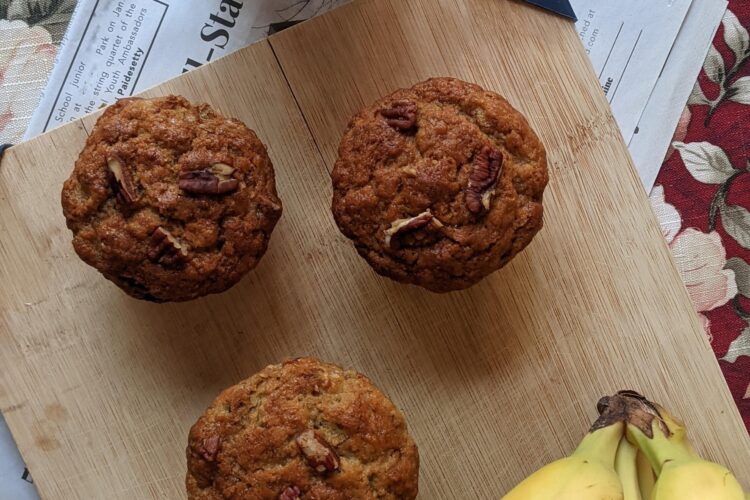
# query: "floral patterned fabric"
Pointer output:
{"type": "Point", "coordinates": [702, 196]}
{"type": "Point", "coordinates": [30, 31]}
{"type": "Point", "coordinates": [702, 199]}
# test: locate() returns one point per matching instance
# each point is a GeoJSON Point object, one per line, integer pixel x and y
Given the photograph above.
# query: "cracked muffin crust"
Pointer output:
{"type": "Point", "coordinates": [439, 185]}
{"type": "Point", "coordinates": [303, 429]}
{"type": "Point", "coordinates": [171, 201]}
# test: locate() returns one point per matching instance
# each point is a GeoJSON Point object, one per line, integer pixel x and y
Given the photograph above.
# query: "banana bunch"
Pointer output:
{"type": "Point", "coordinates": [681, 473]}
{"type": "Point", "coordinates": [588, 474]}
{"type": "Point", "coordinates": [636, 450]}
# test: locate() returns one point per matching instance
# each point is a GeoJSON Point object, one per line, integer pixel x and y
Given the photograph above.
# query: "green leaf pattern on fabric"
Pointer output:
{"type": "Point", "coordinates": [707, 163]}
{"type": "Point", "coordinates": [741, 275]}
{"type": "Point", "coordinates": [736, 220]}
{"type": "Point", "coordinates": [53, 15]}
{"type": "Point", "coordinates": [736, 37]}
{"type": "Point", "coordinates": [714, 66]}
{"type": "Point", "coordinates": [738, 40]}
{"type": "Point", "coordinates": [739, 347]}
{"type": "Point", "coordinates": [697, 96]}
{"type": "Point", "coordinates": [740, 90]}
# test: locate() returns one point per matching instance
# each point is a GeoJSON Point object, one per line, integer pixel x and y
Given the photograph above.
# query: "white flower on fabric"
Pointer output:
{"type": "Point", "coordinates": [700, 258]}
{"type": "Point", "coordinates": [26, 58]}
{"type": "Point", "coordinates": [668, 216]}
{"type": "Point", "coordinates": [706, 324]}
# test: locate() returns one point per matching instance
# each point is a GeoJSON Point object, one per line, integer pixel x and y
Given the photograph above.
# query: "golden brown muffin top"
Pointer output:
{"type": "Point", "coordinates": [440, 184]}
{"type": "Point", "coordinates": [302, 429]}
{"type": "Point", "coordinates": [170, 200]}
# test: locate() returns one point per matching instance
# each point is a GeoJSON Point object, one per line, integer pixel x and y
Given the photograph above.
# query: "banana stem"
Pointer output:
{"type": "Point", "coordinates": [659, 449]}
{"type": "Point", "coordinates": [603, 438]}
{"type": "Point", "coordinates": [658, 434]}
{"type": "Point", "coordinates": [601, 445]}
{"type": "Point", "coordinates": [662, 439]}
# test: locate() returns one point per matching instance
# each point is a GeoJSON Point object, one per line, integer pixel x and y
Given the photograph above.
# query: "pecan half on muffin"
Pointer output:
{"type": "Point", "coordinates": [169, 200]}
{"type": "Point", "coordinates": [302, 429]}
{"type": "Point", "coordinates": [439, 185]}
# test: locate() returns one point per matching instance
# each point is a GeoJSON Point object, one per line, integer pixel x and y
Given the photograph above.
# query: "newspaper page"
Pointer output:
{"type": "Point", "coordinates": [116, 48]}
{"type": "Point", "coordinates": [653, 136]}
{"type": "Point", "coordinates": [119, 47]}
{"type": "Point", "coordinates": [628, 44]}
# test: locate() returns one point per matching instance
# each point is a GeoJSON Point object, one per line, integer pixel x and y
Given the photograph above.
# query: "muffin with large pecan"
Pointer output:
{"type": "Point", "coordinates": [170, 200]}
{"type": "Point", "coordinates": [303, 429]}
{"type": "Point", "coordinates": [440, 184]}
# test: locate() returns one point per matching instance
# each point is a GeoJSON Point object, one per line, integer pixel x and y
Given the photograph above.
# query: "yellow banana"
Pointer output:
{"type": "Point", "coordinates": [646, 476]}
{"type": "Point", "coordinates": [627, 470]}
{"type": "Point", "coordinates": [681, 473]}
{"type": "Point", "coordinates": [587, 474]}
{"type": "Point", "coordinates": [696, 480]}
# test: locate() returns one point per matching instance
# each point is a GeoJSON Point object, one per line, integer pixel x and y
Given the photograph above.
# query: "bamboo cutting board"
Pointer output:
{"type": "Point", "coordinates": [100, 389]}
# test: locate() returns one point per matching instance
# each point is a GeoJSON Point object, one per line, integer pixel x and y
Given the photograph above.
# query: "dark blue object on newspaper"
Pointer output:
{"type": "Point", "coordinates": [562, 7]}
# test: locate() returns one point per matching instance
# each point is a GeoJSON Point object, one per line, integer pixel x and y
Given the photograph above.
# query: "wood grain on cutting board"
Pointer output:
{"type": "Point", "coordinates": [100, 389]}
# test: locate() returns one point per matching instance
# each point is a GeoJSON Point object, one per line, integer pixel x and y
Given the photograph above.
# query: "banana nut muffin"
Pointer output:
{"type": "Point", "coordinates": [170, 200]}
{"type": "Point", "coordinates": [306, 430]}
{"type": "Point", "coordinates": [440, 184]}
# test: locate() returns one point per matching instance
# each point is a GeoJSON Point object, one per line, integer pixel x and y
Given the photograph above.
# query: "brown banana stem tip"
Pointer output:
{"type": "Point", "coordinates": [631, 408]}
{"type": "Point", "coordinates": [611, 410]}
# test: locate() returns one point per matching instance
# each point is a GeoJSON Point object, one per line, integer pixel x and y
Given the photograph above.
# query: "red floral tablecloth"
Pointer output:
{"type": "Point", "coordinates": [702, 197]}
